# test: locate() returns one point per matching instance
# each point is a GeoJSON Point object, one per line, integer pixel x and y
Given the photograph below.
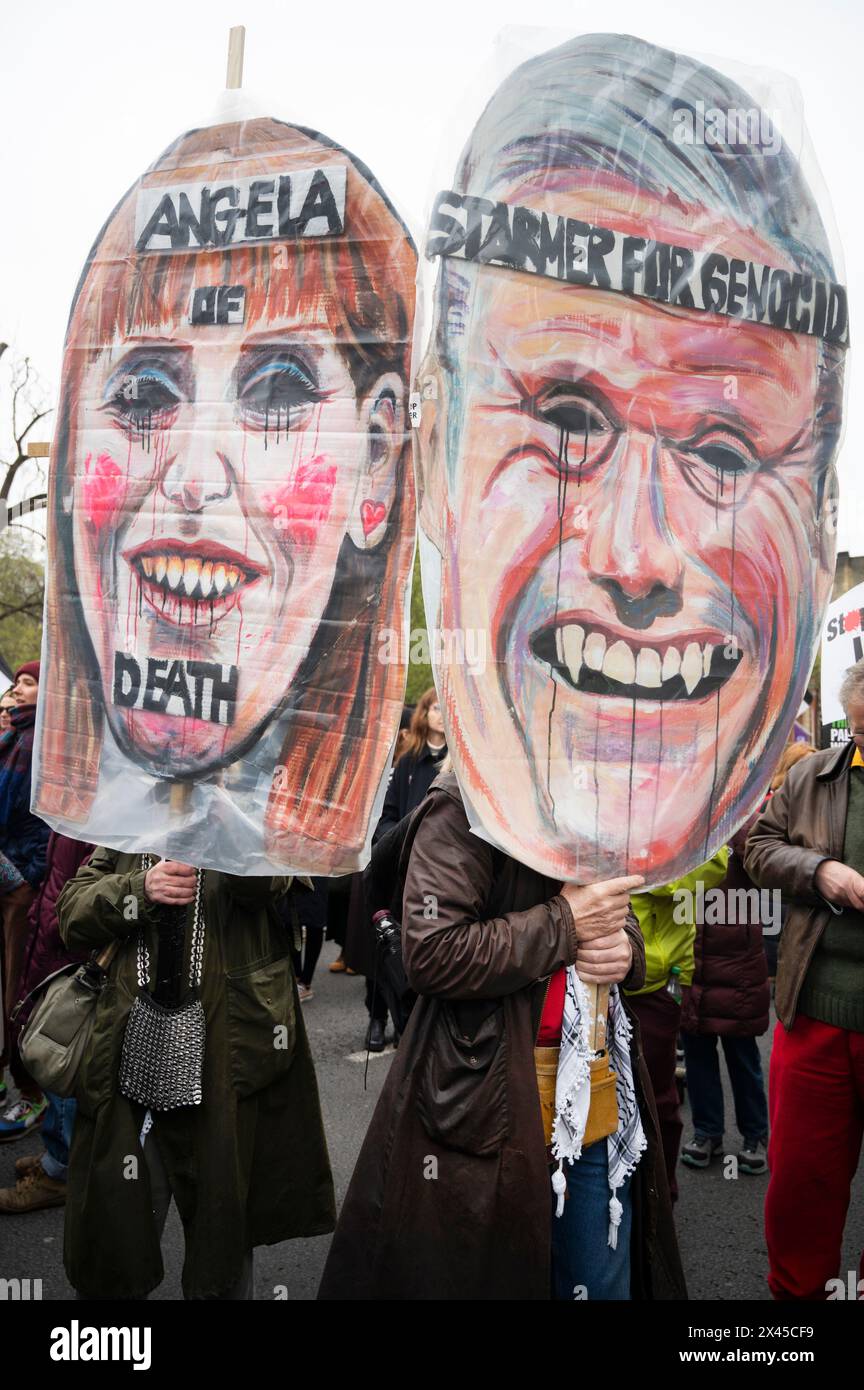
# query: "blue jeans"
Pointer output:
{"type": "Point", "coordinates": [705, 1088]}
{"type": "Point", "coordinates": [581, 1254]}
{"type": "Point", "coordinates": [57, 1135]}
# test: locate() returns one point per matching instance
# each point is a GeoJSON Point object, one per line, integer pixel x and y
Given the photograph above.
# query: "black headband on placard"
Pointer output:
{"type": "Point", "coordinates": [582, 253]}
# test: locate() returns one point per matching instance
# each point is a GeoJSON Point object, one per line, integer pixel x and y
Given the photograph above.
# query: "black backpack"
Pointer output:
{"type": "Point", "coordinates": [383, 890]}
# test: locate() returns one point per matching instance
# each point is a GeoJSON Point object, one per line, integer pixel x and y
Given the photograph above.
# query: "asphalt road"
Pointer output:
{"type": "Point", "coordinates": [719, 1219]}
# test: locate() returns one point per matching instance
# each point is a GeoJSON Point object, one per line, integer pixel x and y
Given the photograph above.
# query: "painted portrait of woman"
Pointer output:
{"type": "Point", "coordinates": [231, 510]}
{"type": "Point", "coordinates": [628, 492]}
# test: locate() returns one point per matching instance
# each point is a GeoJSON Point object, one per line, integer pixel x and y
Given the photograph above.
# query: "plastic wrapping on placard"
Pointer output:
{"type": "Point", "coordinates": [631, 407]}
{"type": "Point", "coordinates": [231, 517]}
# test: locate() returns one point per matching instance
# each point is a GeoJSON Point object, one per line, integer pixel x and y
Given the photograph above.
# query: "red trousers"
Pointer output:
{"type": "Point", "coordinates": [816, 1103]}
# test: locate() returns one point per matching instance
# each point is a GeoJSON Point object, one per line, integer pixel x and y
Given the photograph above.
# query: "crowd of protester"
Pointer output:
{"type": "Point", "coordinates": [696, 961]}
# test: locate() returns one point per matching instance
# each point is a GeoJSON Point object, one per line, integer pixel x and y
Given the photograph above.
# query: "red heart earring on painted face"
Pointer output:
{"type": "Point", "coordinates": [372, 515]}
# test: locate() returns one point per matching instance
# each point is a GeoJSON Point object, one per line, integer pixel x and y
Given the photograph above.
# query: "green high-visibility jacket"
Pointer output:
{"type": "Point", "coordinates": [667, 920]}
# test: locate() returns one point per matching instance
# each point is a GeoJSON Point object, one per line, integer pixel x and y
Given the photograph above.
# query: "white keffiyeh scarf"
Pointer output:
{"type": "Point", "coordinates": [573, 1095]}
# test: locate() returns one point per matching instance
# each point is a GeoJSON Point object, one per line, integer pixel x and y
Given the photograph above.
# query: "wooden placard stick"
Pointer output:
{"type": "Point", "coordinates": [236, 46]}
{"type": "Point", "coordinates": [180, 796]}
{"type": "Point", "coordinates": [598, 997]}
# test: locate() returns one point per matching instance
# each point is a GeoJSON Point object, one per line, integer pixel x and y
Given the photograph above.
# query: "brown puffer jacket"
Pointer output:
{"type": "Point", "coordinates": [729, 994]}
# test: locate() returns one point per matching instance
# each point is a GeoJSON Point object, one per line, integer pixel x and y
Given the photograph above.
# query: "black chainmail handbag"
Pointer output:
{"type": "Point", "coordinates": [162, 1062]}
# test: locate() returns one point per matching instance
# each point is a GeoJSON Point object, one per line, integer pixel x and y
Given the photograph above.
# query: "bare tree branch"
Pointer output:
{"type": "Point", "coordinates": [33, 608]}
{"type": "Point", "coordinates": [40, 415]}
{"type": "Point", "coordinates": [12, 470]}
{"type": "Point", "coordinates": [26, 391]}
{"type": "Point", "coordinates": [21, 577]}
{"type": "Point", "coordinates": [22, 526]}
{"type": "Point", "coordinates": [17, 387]}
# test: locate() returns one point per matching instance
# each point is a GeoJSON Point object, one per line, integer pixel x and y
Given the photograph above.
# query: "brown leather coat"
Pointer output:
{"type": "Point", "coordinates": [803, 824]}
{"type": "Point", "coordinates": [450, 1198]}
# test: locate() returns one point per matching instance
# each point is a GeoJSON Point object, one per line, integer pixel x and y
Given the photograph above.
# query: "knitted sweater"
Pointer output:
{"type": "Point", "coordinates": [833, 990]}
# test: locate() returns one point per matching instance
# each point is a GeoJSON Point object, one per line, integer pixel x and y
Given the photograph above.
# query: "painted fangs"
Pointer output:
{"type": "Point", "coordinates": [691, 666]}
{"type": "Point", "coordinates": [191, 579]}
{"type": "Point", "coordinates": [191, 572]}
{"type": "Point", "coordinates": [573, 642]}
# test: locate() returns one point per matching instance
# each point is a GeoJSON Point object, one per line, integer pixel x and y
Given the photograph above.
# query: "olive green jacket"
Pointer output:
{"type": "Point", "coordinates": [248, 1166]}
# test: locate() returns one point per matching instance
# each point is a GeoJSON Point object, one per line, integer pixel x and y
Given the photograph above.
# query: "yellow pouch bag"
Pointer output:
{"type": "Point", "coordinates": [603, 1107]}
{"type": "Point", "coordinates": [603, 1110]}
{"type": "Point", "coordinates": [546, 1067]}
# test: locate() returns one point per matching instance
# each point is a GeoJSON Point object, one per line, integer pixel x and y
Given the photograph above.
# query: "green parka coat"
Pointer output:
{"type": "Point", "coordinates": [248, 1166]}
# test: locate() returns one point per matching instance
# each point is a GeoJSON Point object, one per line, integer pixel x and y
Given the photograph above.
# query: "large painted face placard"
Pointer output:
{"type": "Point", "coordinates": [631, 405]}
{"type": "Point", "coordinates": [231, 514]}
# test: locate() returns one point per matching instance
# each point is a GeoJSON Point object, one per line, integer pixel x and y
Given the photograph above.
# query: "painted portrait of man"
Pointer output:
{"type": "Point", "coordinates": [231, 514]}
{"type": "Point", "coordinates": [631, 407]}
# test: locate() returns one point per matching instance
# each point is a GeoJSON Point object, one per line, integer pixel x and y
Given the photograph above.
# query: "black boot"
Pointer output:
{"type": "Point", "coordinates": [375, 1036]}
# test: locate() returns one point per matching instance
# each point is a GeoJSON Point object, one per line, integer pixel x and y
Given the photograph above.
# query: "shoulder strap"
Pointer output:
{"type": "Point", "coordinates": [385, 874]}
{"type": "Point", "coordinates": [414, 822]}
{"type": "Point", "coordinates": [97, 963]}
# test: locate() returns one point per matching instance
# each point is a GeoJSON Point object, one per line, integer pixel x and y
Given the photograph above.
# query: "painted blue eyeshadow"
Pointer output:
{"type": "Point", "coordinates": [282, 369]}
